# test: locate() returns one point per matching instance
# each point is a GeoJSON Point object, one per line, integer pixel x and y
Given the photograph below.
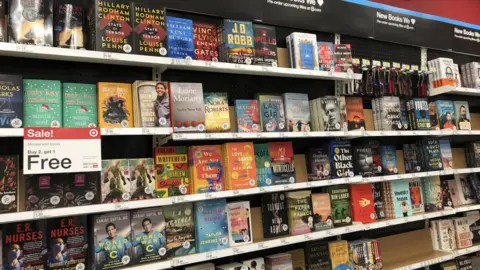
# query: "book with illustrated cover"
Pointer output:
{"type": "Point", "coordinates": [69, 26]}
{"type": "Point", "coordinates": [475, 183]}
{"type": "Point", "coordinates": [447, 200]}
{"type": "Point", "coordinates": [319, 163]}
{"type": "Point", "coordinates": [363, 160]}
{"type": "Point", "coordinates": [446, 114]}
{"type": "Point", "coordinates": [322, 214]}
{"type": "Point", "coordinates": [9, 176]}
{"type": "Point", "coordinates": [330, 113]}
{"type": "Point", "coordinates": [304, 51]}
{"type": "Point", "coordinates": [342, 57]}
{"type": "Point", "coordinates": [263, 163]}
{"type": "Point", "coordinates": [446, 235]}
{"type": "Point", "coordinates": [342, 159]}
{"type": "Point", "coordinates": [446, 152]}
{"type": "Point", "coordinates": [466, 193]}
{"type": "Point", "coordinates": [325, 56]}
{"type": "Point", "coordinates": [432, 111]}
{"type": "Point", "coordinates": [376, 157]}
{"type": "Point", "coordinates": [171, 167]}
{"type": "Point", "coordinates": [297, 112]}
{"type": "Point", "coordinates": [474, 224]}
{"type": "Point", "coordinates": [203, 266]}
{"type": "Point", "coordinates": [300, 215]}
{"type": "Point", "coordinates": [355, 116]}
{"type": "Point", "coordinates": [274, 215]}
{"type": "Point", "coordinates": [148, 235]}
{"type": "Point", "coordinates": [253, 264]}
{"type": "Point", "coordinates": [317, 255]}
{"type": "Point", "coordinates": [390, 114]}
{"type": "Point", "coordinates": [211, 225]}
{"type": "Point", "coordinates": [462, 112]}
{"type": "Point", "coordinates": [472, 154]}
{"type": "Point", "coordinates": [205, 38]}
{"type": "Point", "coordinates": [239, 165]}
{"type": "Point", "coordinates": [115, 108]}
{"type": "Point", "coordinates": [340, 202]}
{"type": "Point", "coordinates": [362, 203]}
{"type": "Point", "coordinates": [378, 201]}
{"type": "Point", "coordinates": [272, 113]}
{"type": "Point", "coordinates": [149, 24]}
{"type": "Point", "coordinates": [463, 235]}
{"type": "Point", "coordinates": [298, 258]}
{"type": "Point", "coordinates": [265, 45]}
{"type": "Point", "coordinates": [217, 117]}
{"type": "Point", "coordinates": [416, 196]}
{"type": "Point", "coordinates": [237, 42]}
{"type": "Point", "coordinates": [402, 203]}
{"type": "Point", "coordinates": [115, 181]}
{"type": "Point", "coordinates": [277, 262]}
{"type": "Point", "coordinates": [389, 159]}
{"type": "Point", "coordinates": [410, 157]}
{"type": "Point", "coordinates": [187, 107]}
{"type": "Point", "coordinates": [432, 154]}
{"type": "Point", "coordinates": [42, 103]}
{"type": "Point", "coordinates": [432, 194]}
{"type": "Point", "coordinates": [205, 168]}
{"type": "Point", "coordinates": [142, 177]}
{"type": "Point", "coordinates": [420, 113]}
{"type": "Point", "coordinates": [33, 27]}
{"type": "Point", "coordinates": [454, 192]}
{"type": "Point", "coordinates": [43, 191]}
{"type": "Point", "coordinates": [180, 229]}
{"type": "Point", "coordinates": [248, 117]}
{"type": "Point", "coordinates": [80, 105]}
{"type": "Point", "coordinates": [404, 115]}
{"type": "Point", "coordinates": [180, 38]}
{"type": "Point", "coordinates": [282, 162]}
{"type": "Point", "coordinates": [239, 223]}
{"type": "Point", "coordinates": [339, 254]}
{"type": "Point", "coordinates": [151, 103]}
{"type": "Point", "coordinates": [12, 97]}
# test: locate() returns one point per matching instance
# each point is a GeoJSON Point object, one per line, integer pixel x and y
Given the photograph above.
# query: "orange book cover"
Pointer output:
{"type": "Point", "coordinates": [355, 116]}
{"type": "Point", "coordinates": [240, 169]}
{"type": "Point", "coordinates": [115, 108]}
{"type": "Point", "coordinates": [206, 168]}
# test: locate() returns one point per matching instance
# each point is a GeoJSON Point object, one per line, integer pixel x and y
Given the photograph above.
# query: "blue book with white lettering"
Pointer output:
{"type": "Point", "coordinates": [180, 38]}
{"type": "Point", "coordinates": [211, 225]}
{"type": "Point", "coordinates": [401, 198]}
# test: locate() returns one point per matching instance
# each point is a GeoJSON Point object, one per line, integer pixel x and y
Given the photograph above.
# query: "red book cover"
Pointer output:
{"type": "Point", "coordinates": [282, 162]}
{"type": "Point", "coordinates": [361, 198]}
{"type": "Point", "coordinates": [206, 41]}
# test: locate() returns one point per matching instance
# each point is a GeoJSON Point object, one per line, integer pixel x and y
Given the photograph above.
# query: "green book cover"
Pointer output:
{"type": "Point", "coordinates": [340, 202]}
{"type": "Point", "coordinates": [43, 103]}
{"type": "Point", "coordinates": [263, 163]}
{"type": "Point", "coordinates": [79, 105]}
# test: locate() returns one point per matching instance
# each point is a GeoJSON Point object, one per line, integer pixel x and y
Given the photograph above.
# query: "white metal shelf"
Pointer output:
{"type": "Point", "coordinates": [419, 174]}
{"type": "Point", "coordinates": [136, 131]}
{"type": "Point", "coordinates": [453, 90]}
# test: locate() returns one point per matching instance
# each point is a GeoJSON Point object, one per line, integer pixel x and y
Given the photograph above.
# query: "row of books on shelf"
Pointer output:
{"type": "Point", "coordinates": [446, 72]}
{"type": "Point", "coordinates": [455, 233]}
{"type": "Point", "coordinates": [467, 262]}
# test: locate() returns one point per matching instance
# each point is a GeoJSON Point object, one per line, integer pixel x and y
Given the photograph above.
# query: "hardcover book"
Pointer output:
{"type": "Point", "coordinates": [404, 117]}
{"type": "Point", "coordinates": [339, 255]}
{"type": "Point", "coordinates": [462, 112]}
{"type": "Point", "coordinates": [172, 175]}
{"type": "Point", "coordinates": [300, 216]}
{"type": "Point", "coordinates": [454, 192]}
{"type": "Point", "coordinates": [272, 113]}
{"type": "Point", "coordinates": [319, 163]}
{"type": "Point", "coordinates": [274, 215]}
{"type": "Point", "coordinates": [203, 266]}
{"type": "Point", "coordinates": [67, 243]}
{"type": "Point", "coordinates": [297, 111]}
{"type": "Point", "coordinates": [239, 164]}
{"type": "Point", "coordinates": [9, 175]}
{"type": "Point", "coordinates": [304, 51]}
{"type": "Point", "coordinates": [80, 105]}
{"type": "Point", "coordinates": [110, 242]}
{"type": "Point", "coordinates": [416, 196]}
{"type": "Point", "coordinates": [432, 194]}
{"type": "Point", "coordinates": [342, 159]}
{"type": "Point", "coordinates": [432, 154]}
{"type": "Point", "coordinates": [149, 24]}
{"type": "Point", "coordinates": [180, 38]}
{"type": "Point", "coordinates": [248, 117]}
{"type": "Point", "coordinates": [239, 223]}
{"type": "Point", "coordinates": [142, 177]}
{"type": "Point", "coordinates": [446, 114]}
{"type": "Point", "coordinates": [187, 107]}
{"type": "Point", "coordinates": [446, 235]}
{"type": "Point", "coordinates": [466, 193]}
{"type": "Point", "coordinates": [43, 192]}
{"type": "Point", "coordinates": [317, 255]}
{"type": "Point", "coordinates": [237, 42]}
{"type": "Point", "coordinates": [421, 116]}
{"type": "Point", "coordinates": [148, 235]}
{"type": "Point", "coordinates": [180, 229]}
{"type": "Point", "coordinates": [263, 163]}
{"type": "Point", "coordinates": [81, 189]}
{"type": "Point", "coordinates": [401, 198]}
{"type": "Point", "coordinates": [211, 225]}
{"type": "Point", "coordinates": [3, 28]}
{"type": "Point", "coordinates": [362, 202]}
{"type": "Point", "coordinates": [330, 113]}
{"type": "Point", "coordinates": [33, 27]}
{"type": "Point", "coordinates": [11, 92]}
{"type": "Point", "coordinates": [205, 168]}
{"type": "Point", "coordinates": [42, 103]}
{"type": "Point", "coordinates": [389, 159]}
{"type": "Point", "coordinates": [410, 156]}
{"type": "Point", "coordinates": [340, 201]}
{"type": "Point", "coordinates": [282, 162]}
{"type": "Point", "coordinates": [278, 261]}
{"type": "Point", "coordinates": [378, 201]}
{"type": "Point", "coordinates": [376, 157]}
{"type": "Point", "coordinates": [325, 56]}
{"type": "Point", "coordinates": [363, 160]}
{"type": "Point", "coordinates": [342, 57]}
{"type": "Point", "coordinates": [206, 41]}
{"type": "Point", "coordinates": [217, 117]}
{"type": "Point", "coordinates": [432, 111]}
{"type": "Point", "coordinates": [115, 108]}
{"type": "Point", "coordinates": [446, 152]}
{"type": "Point", "coordinates": [265, 45]}
{"type": "Point", "coordinates": [69, 29]}
{"type": "Point", "coordinates": [116, 182]}
{"type": "Point", "coordinates": [253, 264]}
{"type": "Point", "coordinates": [463, 235]}
{"type": "Point", "coordinates": [447, 201]}
{"type": "Point", "coordinates": [151, 103]}
{"type": "Point", "coordinates": [322, 214]}
{"type": "Point", "coordinates": [355, 116]}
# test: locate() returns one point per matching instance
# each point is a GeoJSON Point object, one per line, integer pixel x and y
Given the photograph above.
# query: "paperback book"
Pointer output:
{"type": "Point", "coordinates": [12, 95]}
{"type": "Point", "coordinates": [355, 116]}
{"type": "Point", "coordinates": [402, 203]}
{"type": "Point", "coordinates": [172, 174]}
{"type": "Point", "coordinates": [206, 41]}
{"type": "Point", "coordinates": [325, 56]}
{"type": "Point", "coordinates": [33, 27]}
{"type": "Point", "coordinates": [282, 162]}
{"type": "Point", "coordinates": [378, 201]}
{"type": "Point", "coordinates": [151, 103]}
{"type": "Point", "coordinates": [239, 223]}
{"type": "Point", "coordinates": [342, 57]}
{"type": "Point", "coordinates": [180, 229]}
{"type": "Point", "coordinates": [462, 112]}
{"type": "Point", "coordinates": [317, 255]}
{"type": "Point", "coordinates": [420, 114]}
{"type": "Point", "coordinates": [79, 105]}
{"type": "Point", "coordinates": [180, 38]}
{"type": "Point", "coordinates": [239, 165]}
{"type": "Point", "coordinates": [432, 111]}
{"type": "Point", "coordinates": [68, 31]}
{"type": "Point", "coordinates": [217, 117]}
{"type": "Point", "coordinates": [330, 113]}
{"type": "Point", "coordinates": [248, 117]}
{"type": "Point", "coordinates": [446, 152]}
{"type": "Point", "coordinates": [432, 194]}
{"type": "Point", "coordinates": [389, 159]}
{"type": "Point", "coordinates": [42, 103]}
{"type": "Point", "coordinates": [274, 215]}
{"type": "Point", "coordinates": [187, 107]}
{"type": "Point", "coordinates": [463, 235]}
{"type": "Point", "coordinates": [303, 50]}
{"type": "Point", "coordinates": [237, 42]}
{"type": "Point", "coordinates": [432, 154]}
{"type": "Point", "coordinates": [149, 24]}
{"type": "Point", "coordinates": [263, 162]}
{"type": "Point", "coordinates": [205, 168]}
{"type": "Point", "coordinates": [272, 113]}
{"type": "Point", "coordinates": [416, 196]}
{"type": "Point", "coordinates": [339, 254]}
{"type": "Point", "coordinates": [297, 111]}
{"type": "Point", "coordinates": [265, 45]}
{"type": "Point", "coordinates": [148, 235]}
{"type": "Point", "coordinates": [446, 114]}
{"type": "Point", "coordinates": [253, 264]}
{"type": "Point", "coordinates": [319, 164]}
{"type": "Point", "coordinates": [446, 235]}
{"type": "Point", "coordinates": [81, 189]}
{"type": "Point", "coordinates": [322, 214]}
{"type": "Point", "coordinates": [342, 159]}
{"type": "Point", "coordinates": [211, 225]}
{"type": "Point", "coordinates": [376, 157]}
{"type": "Point", "coordinates": [410, 155]}
{"type": "Point", "coordinates": [300, 216]}
{"type": "Point", "coordinates": [278, 261]}
{"type": "Point", "coordinates": [115, 108]}
{"type": "Point", "coordinates": [363, 160]}
{"type": "Point", "coordinates": [116, 182]}
{"type": "Point", "coordinates": [43, 192]}
{"type": "Point", "coordinates": [466, 193]}
{"type": "Point", "coordinates": [340, 202]}
{"type": "Point", "coordinates": [9, 176]}
{"type": "Point", "coordinates": [362, 203]}
{"type": "Point", "coordinates": [142, 177]}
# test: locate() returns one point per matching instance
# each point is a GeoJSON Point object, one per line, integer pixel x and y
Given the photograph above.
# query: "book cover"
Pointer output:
{"type": "Point", "coordinates": [432, 194]}
{"type": "Point", "coordinates": [211, 225]}
{"type": "Point", "coordinates": [298, 258]}
{"type": "Point", "coordinates": [142, 177]}
{"type": "Point", "coordinates": [410, 156]}
{"type": "Point", "coordinates": [206, 169]}
{"type": "Point", "coordinates": [297, 112]}
{"type": "Point", "coordinates": [402, 203]}
{"type": "Point", "coordinates": [361, 197]}
{"type": "Point", "coordinates": [180, 38]}
{"type": "Point", "coordinates": [254, 264]}
{"type": "Point", "coordinates": [187, 107]}
{"type": "Point", "coordinates": [446, 235]}
{"type": "Point", "coordinates": [319, 163]}
{"type": "Point", "coordinates": [278, 261]}
{"type": "Point", "coordinates": [110, 242]}
{"type": "Point", "coordinates": [149, 24]}
{"type": "Point", "coordinates": [11, 93]}
{"type": "Point", "coordinates": [466, 193]}
{"type": "Point", "coordinates": [3, 31]}
{"type": "Point", "coordinates": [231, 266]}
{"type": "Point", "coordinates": [322, 214]}
{"type": "Point", "coordinates": [116, 182]}
{"type": "Point", "coordinates": [340, 202]}
{"type": "Point", "coordinates": [325, 56]}
{"type": "Point", "coordinates": [43, 191]}
{"type": "Point", "coordinates": [339, 255]}
{"type": "Point", "coordinates": [152, 104]}
{"type": "Point", "coordinates": [274, 215]}
{"type": "Point", "coordinates": [239, 164]}
{"type": "Point", "coordinates": [265, 44]}
{"type": "Point", "coordinates": [206, 41]}
{"type": "Point", "coordinates": [447, 200]}
{"type": "Point", "coordinates": [203, 266]}
{"type": "Point", "coordinates": [342, 159]}
{"type": "Point", "coordinates": [475, 183]}
{"type": "Point", "coordinates": [360, 256]}
{"type": "Point", "coordinates": [304, 51]}
{"type": "Point", "coordinates": [81, 189]}
{"type": "Point", "coordinates": [67, 243]}
{"type": "Point", "coordinates": [416, 195]}
{"type": "Point", "coordinates": [80, 105]}
{"type": "Point", "coordinates": [463, 235]}
{"type": "Point", "coordinates": [376, 157]}
{"type": "Point", "coordinates": [317, 255]}
{"type": "Point", "coordinates": [282, 162]}
{"type": "Point", "coordinates": [462, 112]}
{"type": "Point", "coordinates": [263, 163]}
{"type": "Point", "coordinates": [217, 117]}
{"type": "Point", "coordinates": [180, 229]}
{"type": "Point", "coordinates": [272, 113]}
{"type": "Point", "coordinates": [42, 103]}
{"type": "Point", "coordinates": [453, 190]}
{"type": "Point", "coordinates": [404, 117]}
{"type": "Point", "coordinates": [363, 160]}
{"type": "Point", "coordinates": [390, 114]}
{"type": "Point", "coordinates": [69, 28]}
{"type": "Point", "coordinates": [248, 117]}
{"type": "Point", "coordinates": [300, 216]}
{"type": "Point", "coordinates": [389, 159]}
{"type": "Point", "coordinates": [355, 116]}
{"type": "Point", "coordinates": [172, 175]}
{"type": "Point", "coordinates": [421, 114]}
{"type": "Point", "coordinates": [446, 152]}
{"type": "Point", "coordinates": [239, 223]}
{"type": "Point", "coordinates": [238, 45]}
{"type": "Point", "coordinates": [432, 111]}
{"type": "Point", "coordinates": [33, 27]}
{"type": "Point", "coordinates": [24, 244]}
{"type": "Point", "coordinates": [9, 175]}
{"type": "Point", "coordinates": [378, 201]}
{"type": "Point", "coordinates": [432, 154]}
{"type": "Point", "coordinates": [115, 108]}
{"type": "Point", "coordinates": [330, 113]}
{"type": "Point", "coordinates": [148, 235]}
{"type": "Point", "coordinates": [446, 114]}
{"type": "Point", "coordinates": [342, 57]}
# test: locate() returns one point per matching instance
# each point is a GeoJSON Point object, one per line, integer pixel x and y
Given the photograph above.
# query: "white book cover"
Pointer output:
{"type": "Point", "coordinates": [239, 223]}
{"type": "Point", "coordinates": [446, 233]}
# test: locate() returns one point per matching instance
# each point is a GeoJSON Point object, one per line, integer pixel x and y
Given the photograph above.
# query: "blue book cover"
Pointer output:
{"type": "Point", "coordinates": [263, 163]}
{"type": "Point", "coordinates": [306, 54]}
{"type": "Point", "coordinates": [272, 113]}
{"type": "Point", "coordinates": [180, 38]}
{"type": "Point", "coordinates": [446, 114]}
{"type": "Point", "coordinates": [297, 112]}
{"type": "Point", "coordinates": [325, 55]}
{"type": "Point", "coordinates": [422, 115]}
{"type": "Point", "coordinates": [239, 42]}
{"type": "Point", "coordinates": [211, 225]}
{"type": "Point", "coordinates": [401, 198]}
{"type": "Point", "coordinates": [388, 154]}
{"type": "Point", "coordinates": [11, 101]}
{"type": "Point", "coordinates": [341, 155]}
{"type": "Point", "coordinates": [248, 117]}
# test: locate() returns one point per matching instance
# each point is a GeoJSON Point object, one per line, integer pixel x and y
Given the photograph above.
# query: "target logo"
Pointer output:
{"type": "Point", "coordinates": [93, 132]}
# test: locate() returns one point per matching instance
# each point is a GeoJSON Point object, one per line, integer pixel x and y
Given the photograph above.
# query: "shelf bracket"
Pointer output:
{"type": "Point", "coordinates": [423, 57]}
{"type": "Point", "coordinates": [157, 74]}
{"type": "Point", "coordinates": [336, 39]}
{"type": "Point", "coordinates": [161, 140]}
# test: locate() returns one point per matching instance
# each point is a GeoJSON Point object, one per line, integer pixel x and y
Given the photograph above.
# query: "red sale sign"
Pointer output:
{"type": "Point", "coordinates": [61, 150]}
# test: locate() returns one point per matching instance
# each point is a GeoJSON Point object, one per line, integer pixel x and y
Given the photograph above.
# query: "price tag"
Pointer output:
{"type": "Point", "coordinates": [284, 241]}
{"type": "Point", "coordinates": [305, 134]}
{"type": "Point", "coordinates": [177, 136]}
{"type": "Point", "coordinates": [386, 64]}
{"type": "Point", "coordinates": [120, 206]}
{"type": "Point", "coordinates": [406, 66]}
{"type": "Point", "coordinates": [281, 134]}
{"type": "Point", "coordinates": [376, 63]}
{"type": "Point", "coordinates": [367, 227]}
{"type": "Point", "coordinates": [415, 67]}
{"type": "Point", "coordinates": [262, 246]}
{"type": "Point", "coordinates": [234, 135]}
{"type": "Point", "coordinates": [330, 182]}
{"type": "Point", "coordinates": [238, 66]}
{"type": "Point", "coordinates": [110, 131]}
{"type": "Point", "coordinates": [347, 180]}
{"type": "Point", "coordinates": [179, 199]}
{"type": "Point", "coordinates": [236, 192]}
{"type": "Point", "coordinates": [147, 131]}
{"type": "Point", "coordinates": [348, 230]}
{"type": "Point", "coordinates": [38, 214]}
{"type": "Point", "coordinates": [107, 55]}
{"type": "Point", "coordinates": [259, 135]}
{"type": "Point", "coordinates": [210, 255]}
{"type": "Point", "coordinates": [425, 68]}
{"type": "Point", "coordinates": [265, 68]}
{"type": "Point", "coordinates": [286, 187]}
{"type": "Point", "coordinates": [208, 136]}
{"type": "Point", "coordinates": [179, 261]}
{"type": "Point", "coordinates": [208, 195]}
{"type": "Point", "coordinates": [262, 189]}
{"type": "Point", "coordinates": [237, 251]}
{"type": "Point", "coordinates": [329, 233]}
{"type": "Point", "coordinates": [21, 47]}
{"type": "Point", "coordinates": [308, 237]}
{"type": "Point", "coordinates": [309, 185]}
{"type": "Point", "coordinates": [406, 220]}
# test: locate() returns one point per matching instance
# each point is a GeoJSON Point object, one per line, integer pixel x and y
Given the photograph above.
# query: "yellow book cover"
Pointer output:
{"type": "Point", "coordinates": [240, 166]}
{"type": "Point", "coordinates": [206, 167]}
{"type": "Point", "coordinates": [115, 109]}
{"type": "Point", "coordinates": [339, 255]}
{"type": "Point", "coordinates": [217, 116]}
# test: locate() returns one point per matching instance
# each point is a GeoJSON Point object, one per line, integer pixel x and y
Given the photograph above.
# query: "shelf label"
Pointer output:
{"type": "Point", "coordinates": [61, 150]}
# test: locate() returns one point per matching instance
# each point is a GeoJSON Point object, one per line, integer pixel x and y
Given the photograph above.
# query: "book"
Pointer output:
{"type": "Point", "coordinates": [376, 157]}
{"type": "Point", "coordinates": [67, 238]}
{"type": "Point", "coordinates": [149, 24]}
{"type": "Point", "coordinates": [463, 262]}
{"type": "Point", "coordinates": [263, 163]}
{"type": "Point", "coordinates": [42, 103]}
{"type": "Point", "coordinates": [205, 39]}
{"type": "Point", "coordinates": [142, 177]}
{"type": "Point", "coordinates": [12, 95]}
{"type": "Point", "coordinates": [454, 192]}
{"type": "Point", "coordinates": [300, 216]}
{"type": "Point", "coordinates": [297, 111]}
{"type": "Point", "coordinates": [239, 223]}
{"type": "Point", "coordinates": [237, 42]}
{"type": "Point", "coordinates": [378, 201]}
{"type": "Point", "coordinates": [339, 255]}
{"type": "Point", "coordinates": [81, 189]}
{"type": "Point", "coordinates": [206, 169]}
{"type": "Point", "coordinates": [304, 51]}
{"type": "Point", "coordinates": [239, 165]}
{"type": "Point", "coordinates": [416, 196]}
{"type": "Point", "coordinates": [115, 108]}
{"type": "Point", "coordinates": [446, 235]}
{"type": "Point", "coordinates": [151, 103]}
{"type": "Point", "coordinates": [3, 32]}
{"type": "Point", "coordinates": [24, 244]}
{"type": "Point", "coordinates": [231, 266]}
{"type": "Point", "coordinates": [180, 229]}
{"type": "Point", "coordinates": [33, 27]}
{"type": "Point", "coordinates": [298, 259]}
{"type": "Point", "coordinates": [110, 240]}
{"type": "Point", "coordinates": [248, 117]}
{"type": "Point", "coordinates": [282, 162]}
{"type": "Point", "coordinates": [115, 181]}
{"type": "Point", "coordinates": [274, 215]}
{"type": "Point", "coordinates": [362, 203]}
{"type": "Point", "coordinates": [172, 174]}
{"type": "Point", "coordinates": [43, 192]}
{"type": "Point", "coordinates": [342, 159]}
{"type": "Point", "coordinates": [278, 261]}
{"type": "Point", "coordinates": [265, 44]}
{"type": "Point", "coordinates": [462, 112]}
{"type": "Point", "coordinates": [402, 203]}
{"type": "Point", "coordinates": [79, 105]}
{"type": "Point", "coordinates": [432, 194]}
{"type": "Point", "coordinates": [319, 163]}
{"type": "Point", "coordinates": [342, 57]}
{"type": "Point", "coordinates": [203, 266]}
{"type": "Point", "coordinates": [322, 214]}
{"type": "Point", "coordinates": [68, 31]}
{"type": "Point", "coordinates": [187, 107]}
{"type": "Point", "coordinates": [446, 114]}
{"type": "Point", "coordinates": [410, 156]}
{"type": "Point", "coordinates": [463, 235]}
{"type": "Point", "coordinates": [148, 235]}
{"type": "Point", "coordinates": [340, 205]}
{"type": "Point", "coordinates": [211, 225]}
{"type": "Point", "coordinates": [432, 111]}
{"type": "Point", "coordinates": [254, 264]}
{"type": "Point", "coordinates": [404, 117]}
{"type": "Point", "coordinates": [180, 38]}
{"type": "Point", "coordinates": [217, 117]}
{"type": "Point", "coordinates": [355, 116]}
{"type": "Point", "coordinates": [447, 200]}
{"type": "Point", "coordinates": [475, 184]}
{"type": "Point", "coordinates": [431, 154]}
{"type": "Point", "coordinates": [317, 255]}
{"type": "Point", "coordinates": [466, 193]}
{"type": "Point", "coordinates": [272, 113]}
{"type": "Point", "coordinates": [9, 176]}
{"type": "Point", "coordinates": [330, 113]}
{"type": "Point", "coordinates": [363, 160]}
{"type": "Point", "coordinates": [420, 114]}
{"type": "Point", "coordinates": [325, 56]}
{"type": "Point", "coordinates": [446, 152]}
{"type": "Point", "coordinates": [389, 159]}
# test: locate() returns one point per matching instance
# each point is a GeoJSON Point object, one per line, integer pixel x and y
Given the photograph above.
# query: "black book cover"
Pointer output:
{"type": "Point", "coordinates": [475, 184]}
{"type": "Point", "coordinates": [11, 101]}
{"type": "Point", "coordinates": [342, 159]}
{"type": "Point", "coordinates": [410, 157]}
{"type": "Point", "coordinates": [30, 22]}
{"type": "Point", "coordinates": [446, 198]}
{"type": "Point", "coordinates": [150, 28]}
{"type": "Point", "coordinates": [3, 22]}
{"type": "Point", "coordinates": [43, 192]}
{"type": "Point", "coordinates": [317, 255]}
{"type": "Point", "coordinates": [81, 189]}
{"type": "Point", "coordinates": [376, 157]}
{"type": "Point", "coordinates": [274, 215]}
{"type": "Point", "coordinates": [69, 26]}
{"type": "Point", "coordinates": [319, 161]}
{"type": "Point", "coordinates": [432, 155]}
{"type": "Point", "coordinates": [378, 201]}
{"type": "Point", "coordinates": [265, 42]}
{"type": "Point", "coordinates": [340, 202]}
{"type": "Point", "coordinates": [463, 263]}
{"type": "Point", "coordinates": [9, 171]}
{"type": "Point", "coordinates": [363, 160]}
